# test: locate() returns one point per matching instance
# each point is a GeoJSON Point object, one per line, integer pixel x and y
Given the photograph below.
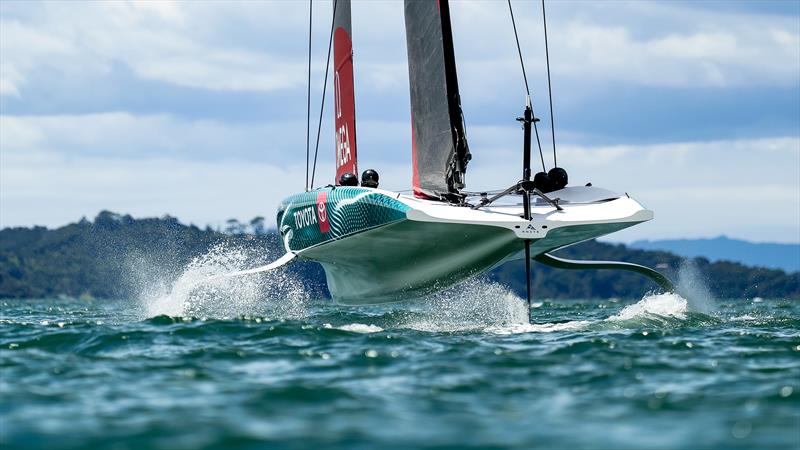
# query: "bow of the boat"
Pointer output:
{"type": "Point", "coordinates": [574, 215]}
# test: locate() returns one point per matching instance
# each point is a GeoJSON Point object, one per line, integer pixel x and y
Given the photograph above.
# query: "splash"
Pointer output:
{"type": "Point", "coordinates": [472, 305]}
{"type": "Point", "coordinates": [692, 296]}
{"type": "Point", "coordinates": [480, 305]}
{"type": "Point", "coordinates": [661, 305]}
{"type": "Point", "coordinates": [692, 286]}
{"type": "Point", "coordinates": [202, 290]}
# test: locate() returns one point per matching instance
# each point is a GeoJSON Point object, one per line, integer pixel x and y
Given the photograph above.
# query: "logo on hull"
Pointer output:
{"type": "Point", "coordinates": [322, 212]}
{"type": "Point", "coordinates": [305, 217]}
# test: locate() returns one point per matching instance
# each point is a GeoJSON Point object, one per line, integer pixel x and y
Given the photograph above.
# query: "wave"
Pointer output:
{"type": "Point", "coordinates": [660, 305]}
{"type": "Point", "coordinates": [539, 327]}
{"type": "Point", "coordinates": [356, 328]}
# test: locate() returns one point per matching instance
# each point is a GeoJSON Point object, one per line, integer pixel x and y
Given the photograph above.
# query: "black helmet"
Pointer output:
{"type": "Point", "coordinates": [558, 177]}
{"type": "Point", "coordinates": [543, 182]}
{"type": "Point", "coordinates": [348, 179]}
{"type": "Point", "coordinates": [369, 178]}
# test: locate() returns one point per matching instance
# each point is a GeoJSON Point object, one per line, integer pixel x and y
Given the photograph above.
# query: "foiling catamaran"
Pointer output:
{"type": "Point", "coordinates": [378, 246]}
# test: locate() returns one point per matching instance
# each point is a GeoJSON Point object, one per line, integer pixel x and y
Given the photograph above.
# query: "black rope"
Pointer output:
{"type": "Point", "coordinates": [525, 77]}
{"type": "Point", "coordinates": [519, 49]}
{"type": "Point", "coordinates": [324, 89]}
{"type": "Point", "coordinates": [549, 86]}
{"type": "Point", "coordinates": [308, 96]}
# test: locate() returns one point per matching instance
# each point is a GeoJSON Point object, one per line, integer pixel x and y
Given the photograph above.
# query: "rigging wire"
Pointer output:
{"type": "Point", "coordinates": [324, 89]}
{"type": "Point", "coordinates": [549, 86]}
{"type": "Point", "coordinates": [525, 77]}
{"type": "Point", "coordinates": [308, 96]}
{"type": "Point", "coordinates": [519, 49]}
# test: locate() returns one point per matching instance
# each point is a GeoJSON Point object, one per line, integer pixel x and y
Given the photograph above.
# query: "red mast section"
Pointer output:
{"type": "Point", "coordinates": [344, 92]}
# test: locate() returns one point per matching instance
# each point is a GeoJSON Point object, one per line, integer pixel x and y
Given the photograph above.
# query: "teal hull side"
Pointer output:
{"type": "Point", "coordinates": [317, 217]}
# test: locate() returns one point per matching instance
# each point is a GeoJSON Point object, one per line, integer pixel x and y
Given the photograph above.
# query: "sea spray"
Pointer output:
{"type": "Point", "coordinates": [659, 305]}
{"type": "Point", "coordinates": [692, 286]}
{"type": "Point", "coordinates": [203, 290]}
{"type": "Point", "coordinates": [474, 304]}
{"type": "Point", "coordinates": [661, 308]}
{"type": "Point", "coordinates": [481, 305]}
{"type": "Point", "coordinates": [692, 296]}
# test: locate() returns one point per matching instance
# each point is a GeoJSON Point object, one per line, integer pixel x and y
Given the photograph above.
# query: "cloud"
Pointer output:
{"type": "Point", "coordinates": [714, 58]}
{"type": "Point", "coordinates": [199, 45]}
{"type": "Point", "coordinates": [643, 43]}
{"type": "Point", "coordinates": [158, 41]}
{"type": "Point", "coordinates": [23, 49]}
{"type": "Point", "coordinates": [696, 165]}
{"type": "Point", "coordinates": [127, 136]}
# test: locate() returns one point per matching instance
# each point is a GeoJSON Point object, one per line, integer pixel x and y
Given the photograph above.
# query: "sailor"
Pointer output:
{"type": "Point", "coordinates": [348, 179]}
{"type": "Point", "coordinates": [551, 181]}
{"type": "Point", "coordinates": [369, 179]}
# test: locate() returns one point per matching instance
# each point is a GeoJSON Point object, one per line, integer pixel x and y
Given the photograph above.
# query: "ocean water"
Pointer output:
{"type": "Point", "coordinates": [255, 363]}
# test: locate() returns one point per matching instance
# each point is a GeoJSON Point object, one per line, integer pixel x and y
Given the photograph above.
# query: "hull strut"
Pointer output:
{"type": "Point", "coordinates": [561, 263]}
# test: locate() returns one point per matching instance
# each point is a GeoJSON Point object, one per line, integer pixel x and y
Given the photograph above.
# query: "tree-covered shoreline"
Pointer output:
{"type": "Point", "coordinates": [113, 255]}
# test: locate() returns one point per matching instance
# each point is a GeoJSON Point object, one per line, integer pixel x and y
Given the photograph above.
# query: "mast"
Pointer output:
{"type": "Point", "coordinates": [439, 146]}
{"type": "Point", "coordinates": [344, 92]}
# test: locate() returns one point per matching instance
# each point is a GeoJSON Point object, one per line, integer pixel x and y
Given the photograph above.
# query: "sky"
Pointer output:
{"type": "Point", "coordinates": [198, 109]}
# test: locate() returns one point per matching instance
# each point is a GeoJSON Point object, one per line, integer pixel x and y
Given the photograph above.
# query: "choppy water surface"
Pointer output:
{"type": "Point", "coordinates": [230, 367]}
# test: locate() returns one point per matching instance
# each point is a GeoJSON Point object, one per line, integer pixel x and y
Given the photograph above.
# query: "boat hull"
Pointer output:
{"type": "Point", "coordinates": [379, 246]}
{"type": "Point", "coordinates": [385, 265]}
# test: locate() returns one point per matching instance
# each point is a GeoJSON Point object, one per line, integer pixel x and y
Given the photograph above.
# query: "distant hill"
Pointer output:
{"type": "Point", "coordinates": [115, 255]}
{"type": "Point", "coordinates": [776, 256]}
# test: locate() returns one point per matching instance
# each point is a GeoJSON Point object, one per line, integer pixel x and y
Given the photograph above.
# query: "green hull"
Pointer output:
{"type": "Point", "coordinates": [384, 264]}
